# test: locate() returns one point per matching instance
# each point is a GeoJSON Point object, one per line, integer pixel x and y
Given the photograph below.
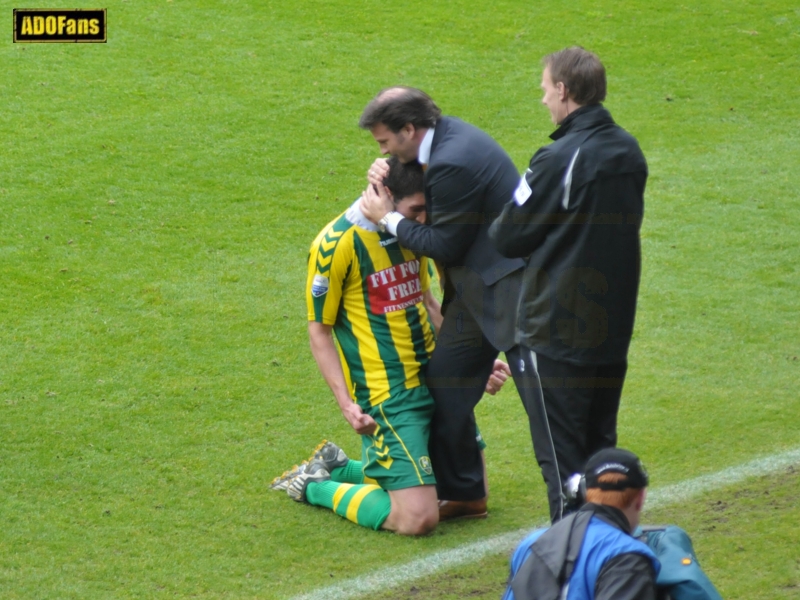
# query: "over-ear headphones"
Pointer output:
{"type": "Point", "coordinates": [575, 489]}
{"type": "Point", "coordinates": [609, 460]}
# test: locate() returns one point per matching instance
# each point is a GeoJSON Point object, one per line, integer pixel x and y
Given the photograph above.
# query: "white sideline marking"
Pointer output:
{"type": "Point", "coordinates": [694, 487]}
{"type": "Point", "coordinates": [422, 567]}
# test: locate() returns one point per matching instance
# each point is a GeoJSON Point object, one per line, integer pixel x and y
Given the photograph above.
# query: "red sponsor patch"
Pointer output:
{"type": "Point", "coordinates": [395, 288]}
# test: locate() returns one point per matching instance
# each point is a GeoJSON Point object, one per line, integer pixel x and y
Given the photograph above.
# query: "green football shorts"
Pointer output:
{"type": "Point", "coordinates": [396, 455]}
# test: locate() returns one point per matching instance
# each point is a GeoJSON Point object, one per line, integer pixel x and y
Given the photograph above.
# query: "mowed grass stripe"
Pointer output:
{"type": "Point", "coordinates": [470, 553]}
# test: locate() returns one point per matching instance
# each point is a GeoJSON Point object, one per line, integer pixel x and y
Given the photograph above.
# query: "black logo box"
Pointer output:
{"type": "Point", "coordinates": [38, 25]}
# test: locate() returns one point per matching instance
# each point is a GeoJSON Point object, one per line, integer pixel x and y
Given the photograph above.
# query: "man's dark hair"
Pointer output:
{"type": "Point", "coordinates": [581, 72]}
{"type": "Point", "coordinates": [404, 179]}
{"type": "Point", "coordinates": [396, 106]}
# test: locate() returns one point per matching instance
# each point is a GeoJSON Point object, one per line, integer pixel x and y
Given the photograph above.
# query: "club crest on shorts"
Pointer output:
{"type": "Point", "coordinates": [320, 285]}
{"type": "Point", "coordinates": [425, 464]}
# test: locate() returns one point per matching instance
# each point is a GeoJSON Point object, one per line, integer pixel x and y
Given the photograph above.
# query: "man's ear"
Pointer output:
{"type": "Point", "coordinates": [562, 91]}
{"type": "Point", "coordinates": [639, 500]}
{"type": "Point", "coordinates": [391, 195]}
{"type": "Point", "coordinates": [409, 129]}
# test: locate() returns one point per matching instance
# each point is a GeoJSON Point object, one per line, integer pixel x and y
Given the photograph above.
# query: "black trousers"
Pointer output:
{"type": "Point", "coordinates": [459, 369]}
{"type": "Point", "coordinates": [456, 377]}
{"type": "Point", "coordinates": [572, 410]}
{"type": "Point", "coordinates": [572, 413]}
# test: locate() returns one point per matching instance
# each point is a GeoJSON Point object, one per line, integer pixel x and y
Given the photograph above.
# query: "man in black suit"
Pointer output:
{"type": "Point", "coordinates": [468, 179]}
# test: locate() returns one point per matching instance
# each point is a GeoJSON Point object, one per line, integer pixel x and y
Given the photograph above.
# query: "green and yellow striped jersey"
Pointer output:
{"type": "Point", "coordinates": [370, 290]}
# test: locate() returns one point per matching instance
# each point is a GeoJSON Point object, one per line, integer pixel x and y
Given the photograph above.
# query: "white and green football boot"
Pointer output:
{"type": "Point", "coordinates": [330, 455]}
{"type": "Point", "coordinates": [281, 482]}
{"type": "Point", "coordinates": [314, 471]}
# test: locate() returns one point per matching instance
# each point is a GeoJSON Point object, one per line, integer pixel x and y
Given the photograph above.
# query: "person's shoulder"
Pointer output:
{"type": "Point", "coordinates": [550, 160]}
{"type": "Point", "coordinates": [615, 148]}
{"type": "Point", "coordinates": [607, 531]}
{"type": "Point", "coordinates": [456, 134]}
{"type": "Point", "coordinates": [531, 539]}
{"type": "Point", "coordinates": [461, 146]}
{"type": "Point", "coordinates": [607, 129]}
{"type": "Point", "coordinates": [629, 141]}
{"type": "Point", "coordinates": [329, 237]}
{"type": "Point", "coordinates": [546, 152]}
{"type": "Point", "coordinates": [617, 131]}
{"type": "Point", "coordinates": [533, 536]}
{"type": "Point", "coordinates": [473, 131]}
{"type": "Point", "coordinates": [523, 549]}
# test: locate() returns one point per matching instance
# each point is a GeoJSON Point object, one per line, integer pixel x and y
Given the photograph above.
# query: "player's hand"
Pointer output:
{"type": "Point", "coordinates": [377, 172]}
{"type": "Point", "coordinates": [375, 202]}
{"type": "Point", "coordinates": [362, 423]}
{"type": "Point", "coordinates": [500, 374]}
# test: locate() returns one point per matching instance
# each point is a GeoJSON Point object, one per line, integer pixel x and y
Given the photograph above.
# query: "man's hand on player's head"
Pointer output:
{"type": "Point", "coordinates": [375, 202]}
{"type": "Point", "coordinates": [378, 171]}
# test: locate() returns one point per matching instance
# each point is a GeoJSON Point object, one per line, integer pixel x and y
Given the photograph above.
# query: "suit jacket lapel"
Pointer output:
{"type": "Point", "coordinates": [438, 134]}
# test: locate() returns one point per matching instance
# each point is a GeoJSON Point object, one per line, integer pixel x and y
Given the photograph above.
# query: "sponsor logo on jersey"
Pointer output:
{"type": "Point", "coordinates": [388, 242]}
{"type": "Point", "coordinates": [425, 464]}
{"type": "Point", "coordinates": [395, 288]}
{"type": "Point", "coordinates": [60, 25]}
{"type": "Point", "coordinates": [320, 285]}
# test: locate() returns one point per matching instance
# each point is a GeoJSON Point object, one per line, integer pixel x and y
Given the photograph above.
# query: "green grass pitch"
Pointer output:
{"type": "Point", "coordinates": [159, 194]}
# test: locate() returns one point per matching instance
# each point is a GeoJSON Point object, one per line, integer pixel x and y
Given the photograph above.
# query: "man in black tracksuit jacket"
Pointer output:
{"type": "Point", "coordinates": [576, 217]}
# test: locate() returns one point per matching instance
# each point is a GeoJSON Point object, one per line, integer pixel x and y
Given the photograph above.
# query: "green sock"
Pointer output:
{"type": "Point", "coordinates": [350, 473]}
{"type": "Point", "coordinates": [366, 505]}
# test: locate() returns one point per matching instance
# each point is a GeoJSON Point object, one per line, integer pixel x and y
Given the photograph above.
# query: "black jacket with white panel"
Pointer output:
{"type": "Point", "coordinates": [576, 217]}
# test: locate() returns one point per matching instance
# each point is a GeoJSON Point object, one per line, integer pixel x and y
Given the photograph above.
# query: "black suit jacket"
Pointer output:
{"type": "Point", "coordinates": [468, 181]}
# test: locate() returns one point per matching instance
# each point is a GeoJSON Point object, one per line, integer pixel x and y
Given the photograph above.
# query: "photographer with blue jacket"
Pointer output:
{"type": "Point", "coordinates": [591, 554]}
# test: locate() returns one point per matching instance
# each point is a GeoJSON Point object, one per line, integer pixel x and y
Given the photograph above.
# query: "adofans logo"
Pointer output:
{"type": "Point", "coordinates": [60, 25]}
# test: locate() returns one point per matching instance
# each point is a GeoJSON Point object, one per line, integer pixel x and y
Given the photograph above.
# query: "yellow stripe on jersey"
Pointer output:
{"type": "Point", "coordinates": [370, 290]}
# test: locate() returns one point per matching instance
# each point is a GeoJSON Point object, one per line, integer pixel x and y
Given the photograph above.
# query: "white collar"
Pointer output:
{"type": "Point", "coordinates": [356, 217]}
{"type": "Point", "coordinates": [424, 153]}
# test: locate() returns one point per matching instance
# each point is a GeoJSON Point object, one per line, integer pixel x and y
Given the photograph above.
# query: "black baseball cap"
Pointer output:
{"type": "Point", "coordinates": [616, 460]}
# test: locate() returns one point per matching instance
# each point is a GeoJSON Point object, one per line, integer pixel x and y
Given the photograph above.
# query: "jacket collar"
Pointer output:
{"type": "Point", "coordinates": [424, 154]}
{"type": "Point", "coordinates": [609, 514]}
{"type": "Point", "coordinates": [586, 117]}
{"type": "Point", "coordinates": [439, 130]}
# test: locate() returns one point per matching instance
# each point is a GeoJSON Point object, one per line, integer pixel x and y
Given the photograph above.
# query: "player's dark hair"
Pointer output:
{"type": "Point", "coordinates": [404, 179]}
{"type": "Point", "coordinates": [581, 72]}
{"type": "Point", "coordinates": [396, 106]}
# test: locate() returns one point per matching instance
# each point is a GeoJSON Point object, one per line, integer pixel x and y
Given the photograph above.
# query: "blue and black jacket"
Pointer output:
{"type": "Point", "coordinates": [590, 555]}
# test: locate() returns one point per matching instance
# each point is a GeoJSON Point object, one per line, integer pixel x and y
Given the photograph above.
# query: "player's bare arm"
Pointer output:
{"type": "Point", "coordinates": [324, 351]}
{"type": "Point", "coordinates": [434, 308]}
